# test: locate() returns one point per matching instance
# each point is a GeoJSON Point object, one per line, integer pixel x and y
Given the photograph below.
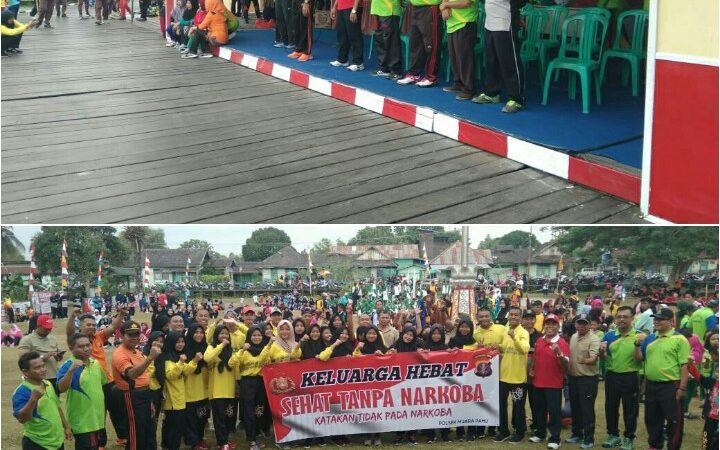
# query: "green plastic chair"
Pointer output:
{"type": "Point", "coordinates": [530, 48]}
{"type": "Point", "coordinates": [586, 63]}
{"type": "Point", "coordinates": [556, 14]}
{"type": "Point", "coordinates": [634, 55]}
{"type": "Point", "coordinates": [575, 30]}
{"type": "Point", "coordinates": [479, 49]}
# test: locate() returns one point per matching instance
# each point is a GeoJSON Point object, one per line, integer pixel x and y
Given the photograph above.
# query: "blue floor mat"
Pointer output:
{"type": "Point", "coordinates": [561, 125]}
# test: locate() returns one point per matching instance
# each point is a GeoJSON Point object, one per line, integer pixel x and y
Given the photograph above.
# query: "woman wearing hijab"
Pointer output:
{"type": "Point", "coordinates": [370, 343]}
{"type": "Point", "coordinates": [435, 342]}
{"type": "Point", "coordinates": [501, 316]}
{"type": "Point", "coordinates": [298, 329]}
{"type": "Point", "coordinates": [252, 390]}
{"type": "Point", "coordinates": [463, 340]}
{"type": "Point", "coordinates": [221, 388]}
{"type": "Point", "coordinates": [407, 343]}
{"type": "Point", "coordinates": [197, 408]}
{"type": "Point", "coordinates": [283, 346]}
{"type": "Point", "coordinates": [212, 31]}
{"type": "Point", "coordinates": [315, 346]}
{"type": "Point", "coordinates": [182, 28]}
{"type": "Point", "coordinates": [161, 322]}
{"type": "Point", "coordinates": [170, 366]}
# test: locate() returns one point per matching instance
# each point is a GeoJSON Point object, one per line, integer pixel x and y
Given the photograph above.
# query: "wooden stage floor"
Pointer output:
{"type": "Point", "coordinates": [104, 124]}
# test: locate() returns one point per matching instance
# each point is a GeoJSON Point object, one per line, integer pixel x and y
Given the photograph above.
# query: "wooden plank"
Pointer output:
{"type": "Point", "coordinates": [537, 208]}
{"type": "Point", "coordinates": [589, 212]}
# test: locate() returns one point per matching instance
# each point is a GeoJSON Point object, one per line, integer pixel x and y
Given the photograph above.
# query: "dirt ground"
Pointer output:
{"type": "Point", "coordinates": [12, 430]}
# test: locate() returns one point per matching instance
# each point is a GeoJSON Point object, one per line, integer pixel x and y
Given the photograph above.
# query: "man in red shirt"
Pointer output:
{"type": "Point", "coordinates": [162, 299]}
{"type": "Point", "coordinates": [113, 401]}
{"type": "Point", "coordinates": [549, 363]}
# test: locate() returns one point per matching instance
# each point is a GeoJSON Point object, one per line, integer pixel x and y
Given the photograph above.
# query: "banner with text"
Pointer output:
{"type": "Point", "coordinates": [375, 394]}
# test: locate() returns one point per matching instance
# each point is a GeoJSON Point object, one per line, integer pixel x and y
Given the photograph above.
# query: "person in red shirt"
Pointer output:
{"type": "Point", "coordinates": [549, 363]}
{"type": "Point", "coordinates": [162, 299]}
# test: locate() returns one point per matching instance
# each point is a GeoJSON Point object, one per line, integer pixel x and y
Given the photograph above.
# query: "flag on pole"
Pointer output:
{"type": "Point", "coordinates": [99, 273]}
{"type": "Point", "coordinates": [64, 266]}
{"type": "Point", "coordinates": [187, 267]}
{"type": "Point", "coordinates": [427, 261]}
{"type": "Point", "coordinates": [310, 266]}
{"type": "Point", "coordinates": [560, 264]}
{"type": "Point", "coordinates": [146, 277]}
{"type": "Point", "coordinates": [33, 270]}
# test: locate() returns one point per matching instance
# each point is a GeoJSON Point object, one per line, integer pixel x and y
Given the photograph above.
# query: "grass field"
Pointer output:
{"type": "Point", "coordinates": [12, 430]}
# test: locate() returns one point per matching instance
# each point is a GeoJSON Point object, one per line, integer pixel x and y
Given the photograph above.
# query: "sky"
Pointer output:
{"type": "Point", "coordinates": [230, 238]}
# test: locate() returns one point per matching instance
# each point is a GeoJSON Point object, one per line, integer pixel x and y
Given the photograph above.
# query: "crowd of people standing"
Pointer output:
{"type": "Point", "coordinates": [188, 368]}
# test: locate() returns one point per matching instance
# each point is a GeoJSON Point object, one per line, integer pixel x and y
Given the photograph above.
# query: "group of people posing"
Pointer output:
{"type": "Point", "coordinates": [195, 370]}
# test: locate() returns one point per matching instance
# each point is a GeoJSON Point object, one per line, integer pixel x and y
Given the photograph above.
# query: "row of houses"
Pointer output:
{"type": "Point", "coordinates": [362, 261]}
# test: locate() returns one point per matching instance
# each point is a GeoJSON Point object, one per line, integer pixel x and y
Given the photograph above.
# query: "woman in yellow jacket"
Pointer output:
{"type": "Point", "coordinates": [221, 387]}
{"type": "Point", "coordinates": [170, 366]}
{"type": "Point", "coordinates": [252, 391]}
{"type": "Point", "coordinates": [283, 346]}
{"type": "Point", "coordinates": [197, 408]}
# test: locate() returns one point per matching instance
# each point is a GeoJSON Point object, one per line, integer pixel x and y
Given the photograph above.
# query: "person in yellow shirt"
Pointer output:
{"type": "Point", "coordinates": [488, 335]}
{"type": "Point", "coordinates": [283, 346]}
{"type": "Point", "coordinates": [12, 32]}
{"type": "Point", "coordinates": [197, 408]}
{"type": "Point", "coordinates": [537, 307]}
{"type": "Point", "coordinates": [252, 391]}
{"type": "Point", "coordinates": [513, 376]}
{"type": "Point", "coordinates": [221, 387]}
{"type": "Point", "coordinates": [169, 373]}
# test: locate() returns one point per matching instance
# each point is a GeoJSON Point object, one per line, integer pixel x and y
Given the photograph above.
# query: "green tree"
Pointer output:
{"type": "Point", "coordinates": [321, 248]}
{"type": "Point", "coordinates": [488, 242]}
{"type": "Point", "coordinates": [643, 246]}
{"type": "Point", "coordinates": [518, 239]}
{"type": "Point", "coordinates": [12, 248]}
{"type": "Point", "coordinates": [196, 244]}
{"type": "Point", "coordinates": [384, 235]}
{"type": "Point", "coordinates": [263, 243]}
{"type": "Point", "coordinates": [83, 247]}
{"type": "Point", "coordinates": [374, 236]}
{"type": "Point", "coordinates": [136, 238]}
{"type": "Point", "coordinates": [14, 288]}
{"type": "Point", "coordinates": [155, 238]}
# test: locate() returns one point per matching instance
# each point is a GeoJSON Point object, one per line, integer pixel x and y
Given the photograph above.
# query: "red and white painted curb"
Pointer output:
{"type": "Point", "coordinates": [599, 177]}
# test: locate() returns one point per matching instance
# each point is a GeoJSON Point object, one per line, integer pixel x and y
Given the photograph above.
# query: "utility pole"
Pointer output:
{"type": "Point", "coordinates": [463, 297]}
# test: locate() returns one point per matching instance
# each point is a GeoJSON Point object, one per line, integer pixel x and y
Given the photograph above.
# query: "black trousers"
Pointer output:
{"type": "Point", "coordinates": [156, 400]}
{"type": "Point", "coordinates": [144, 5]}
{"type": "Point", "coordinates": [246, 8]}
{"type": "Point", "coordinates": [387, 44]}
{"type": "Point", "coordinates": [200, 41]}
{"type": "Point", "coordinates": [663, 414]}
{"type": "Point", "coordinates": [503, 67]}
{"type": "Point", "coordinates": [622, 388]}
{"type": "Point", "coordinates": [27, 444]}
{"type": "Point", "coordinates": [349, 37]}
{"type": "Point", "coordinates": [583, 392]}
{"type": "Point", "coordinates": [252, 401]}
{"type": "Point", "coordinates": [235, 7]}
{"type": "Point", "coordinates": [461, 49]}
{"type": "Point", "coordinates": [430, 434]}
{"type": "Point", "coordinates": [283, 24]}
{"type": "Point", "coordinates": [425, 42]}
{"type": "Point", "coordinates": [196, 417]}
{"type": "Point", "coordinates": [517, 394]}
{"type": "Point", "coordinates": [223, 411]}
{"type": "Point", "coordinates": [302, 27]}
{"type": "Point", "coordinates": [140, 423]}
{"type": "Point", "coordinates": [90, 441]}
{"type": "Point", "coordinates": [173, 428]}
{"type": "Point", "coordinates": [710, 435]}
{"type": "Point", "coordinates": [548, 401]}
{"type": "Point", "coordinates": [532, 401]}
{"type": "Point", "coordinates": [115, 406]}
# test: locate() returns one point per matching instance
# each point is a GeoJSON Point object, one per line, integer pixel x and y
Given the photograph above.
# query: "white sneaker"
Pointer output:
{"type": "Point", "coordinates": [553, 445]}
{"type": "Point", "coordinates": [407, 79]}
{"type": "Point", "coordinates": [425, 83]}
{"type": "Point", "coordinates": [206, 55]}
{"type": "Point", "coordinates": [535, 439]}
{"type": "Point", "coordinates": [170, 44]}
{"type": "Point", "coordinates": [337, 63]}
{"type": "Point", "coordinates": [356, 67]}
{"type": "Point", "coordinates": [189, 55]}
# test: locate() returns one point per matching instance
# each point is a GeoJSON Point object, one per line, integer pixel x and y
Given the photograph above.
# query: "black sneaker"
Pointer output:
{"type": "Point", "coordinates": [5, 54]}
{"type": "Point", "coordinates": [15, 50]}
{"type": "Point", "coordinates": [394, 76]}
{"type": "Point", "coordinates": [47, 25]}
{"type": "Point", "coordinates": [501, 437]}
{"type": "Point", "coordinates": [516, 438]}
